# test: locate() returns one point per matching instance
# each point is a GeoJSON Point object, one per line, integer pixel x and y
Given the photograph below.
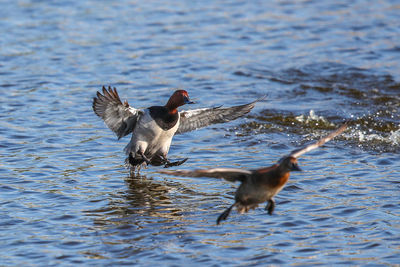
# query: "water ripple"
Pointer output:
{"type": "Point", "coordinates": [67, 198]}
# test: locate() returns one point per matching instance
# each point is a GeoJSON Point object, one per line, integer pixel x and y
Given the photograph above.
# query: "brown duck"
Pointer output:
{"type": "Point", "coordinates": [258, 186]}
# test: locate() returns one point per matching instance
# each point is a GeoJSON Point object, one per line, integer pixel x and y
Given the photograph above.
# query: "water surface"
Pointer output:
{"type": "Point", "coordinates": [66, 197]}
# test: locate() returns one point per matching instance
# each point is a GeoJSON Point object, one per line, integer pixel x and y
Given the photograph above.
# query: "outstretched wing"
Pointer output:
{"type": "Point", "coordinates": [229, 174]}
{"type": "Point", "coordinates": [298, 152]}
{"type": "Point", "coordinates": [197, 118]}
{"type": "Point", "coordinates": [120, 118]}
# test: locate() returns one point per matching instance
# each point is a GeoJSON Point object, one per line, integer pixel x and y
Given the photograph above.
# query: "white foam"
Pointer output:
{"type": "Point", "coordinates": [392, 138]}
{"type": "Point", "coordinates": [312, 117]}
{"type": "Point", "coordinates": [363, 136]}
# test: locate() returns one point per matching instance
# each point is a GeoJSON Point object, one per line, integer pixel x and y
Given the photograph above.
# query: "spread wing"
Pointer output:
{"type": "Point", "coordinates": [298, 152]}
{"type": "Point", "coordinates": [197, 118]}
{"type": "Point", "coordinates": [229, 174]}
{"type": "Point", "coordinates": [120, 118]}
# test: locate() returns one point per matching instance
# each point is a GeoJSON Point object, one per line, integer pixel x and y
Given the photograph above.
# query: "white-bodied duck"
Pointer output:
{"type": "Point", "coordinates": [153, 128]}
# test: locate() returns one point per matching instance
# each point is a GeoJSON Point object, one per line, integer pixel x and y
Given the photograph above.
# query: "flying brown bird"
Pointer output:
{"type": "Point", "coordinates": [258, 186]}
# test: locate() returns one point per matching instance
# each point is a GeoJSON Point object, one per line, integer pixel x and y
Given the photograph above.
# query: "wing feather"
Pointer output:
{"type": "Point", "coordinates": [298, 152]}
{"type": "Point", "coordinates": [229, 174]}
{"type": "Point", "coordinates": [119, 117]}
{"type": "Point", "coordinates": [197, 118]}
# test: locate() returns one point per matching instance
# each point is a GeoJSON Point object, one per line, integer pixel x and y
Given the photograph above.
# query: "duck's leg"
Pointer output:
{"type": "Point", "coordinates": [131, 163]}
{"type": "Point", "coordinates": [270, 206]}
{"type": "Point", "coordinates": [225, 214]}
{"type": "Point", "coordinates": [144, 157]}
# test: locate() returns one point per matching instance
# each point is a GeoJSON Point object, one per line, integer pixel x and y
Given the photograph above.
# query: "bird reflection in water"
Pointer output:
{"type": "Point", "coordinates": [145, 201]}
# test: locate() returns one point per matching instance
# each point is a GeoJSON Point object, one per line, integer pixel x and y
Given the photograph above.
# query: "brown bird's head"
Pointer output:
{"type": "Point", "coordinates": [289, 164]}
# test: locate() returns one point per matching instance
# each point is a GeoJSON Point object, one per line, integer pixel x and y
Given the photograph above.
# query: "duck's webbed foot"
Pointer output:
{"type": "Point", "coordinates": [162, 160]}
{"type": "Point", "coordinates": [225, 214]}
{"type": "Point", "coordinates": [270, 206]}
{"type": "Point", "coordinates": [175, 163]}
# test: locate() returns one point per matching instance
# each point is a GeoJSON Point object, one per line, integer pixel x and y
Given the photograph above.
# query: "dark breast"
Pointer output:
{"type": "Point", "coordinates": [163, 118]}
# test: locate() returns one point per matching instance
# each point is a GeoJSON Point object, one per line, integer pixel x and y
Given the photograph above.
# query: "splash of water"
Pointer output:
{"type": "Point", "coordinates": [312, 117]}
{"type": "Point", "coordinates": [394, 137]}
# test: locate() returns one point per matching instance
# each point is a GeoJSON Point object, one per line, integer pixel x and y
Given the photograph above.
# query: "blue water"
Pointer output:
{"type": "Point", "coordinates": [66, 197]}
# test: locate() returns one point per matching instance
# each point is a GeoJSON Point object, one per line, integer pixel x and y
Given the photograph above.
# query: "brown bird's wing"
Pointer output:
{"type": "Point", "coordinates": [229, 174]}
{"type": "Point", "coordinates": [298, 152]}
{"type": "Point", "coordinates": [197, 118]}
{"type": "Point", "coordinates": [120, 118]}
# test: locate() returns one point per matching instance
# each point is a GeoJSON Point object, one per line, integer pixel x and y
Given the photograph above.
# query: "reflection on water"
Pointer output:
{"type": "Point", "coordinates": [66, 197]}
{"type": "Point", "coordinates": [143, 198]}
